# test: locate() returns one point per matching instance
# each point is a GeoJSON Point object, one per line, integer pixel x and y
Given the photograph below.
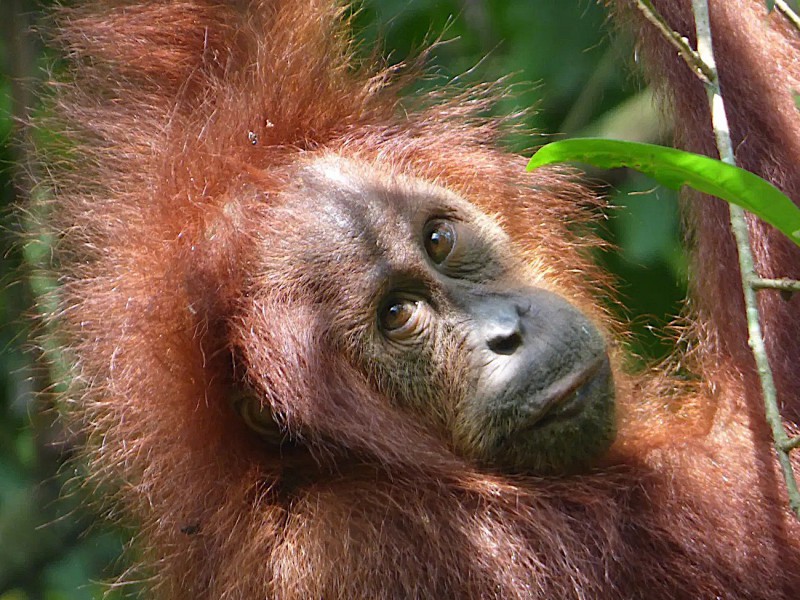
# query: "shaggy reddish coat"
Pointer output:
{"type": "Point", "coordinates": [182, 121]}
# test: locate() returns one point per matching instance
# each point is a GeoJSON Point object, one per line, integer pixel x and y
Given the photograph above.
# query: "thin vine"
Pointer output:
{"type": "Point", "coordinates": [702, 63]}
{"type": "Point", "coordinates": [789, 13]}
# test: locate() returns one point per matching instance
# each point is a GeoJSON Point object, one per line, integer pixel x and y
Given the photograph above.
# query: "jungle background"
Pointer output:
{"type": "Point", "coordinates": [562, 59]}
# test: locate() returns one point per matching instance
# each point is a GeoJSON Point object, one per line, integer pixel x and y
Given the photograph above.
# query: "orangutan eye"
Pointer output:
{"type": "Point", "coordinates": [258, 418]}
{"type": "Point", "coordinates": [400, 317]}
{"type": "Point", "coordinates": [440, 239]}
{"type": "Point", "coordinates": [397, 313]}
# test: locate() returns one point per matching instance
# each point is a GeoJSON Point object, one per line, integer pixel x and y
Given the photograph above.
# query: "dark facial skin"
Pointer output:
{"type": "Point", "coordinates": [429, 297]}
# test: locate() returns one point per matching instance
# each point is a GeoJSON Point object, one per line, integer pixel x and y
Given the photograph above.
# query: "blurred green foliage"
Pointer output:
{"type": "Point", "coordinates": [51, 545]}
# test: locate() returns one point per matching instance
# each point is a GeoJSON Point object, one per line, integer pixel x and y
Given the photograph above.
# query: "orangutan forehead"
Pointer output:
{"type": "Point", "coordinates": [358, 198]}
{"type": "Point", "coordinates": [377, 193]}
{"type": "Point", "coordinates": [351, 216]}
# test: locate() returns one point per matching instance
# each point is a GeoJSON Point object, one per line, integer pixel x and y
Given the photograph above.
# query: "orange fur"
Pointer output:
{"type": "Point", "coordinates": [186, 120]}
{"type": "Point", "coordinates": [759, 70]}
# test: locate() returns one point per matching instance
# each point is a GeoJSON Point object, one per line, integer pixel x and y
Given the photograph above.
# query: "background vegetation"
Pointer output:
{"type": "Point", "coordinates": [564, 62]}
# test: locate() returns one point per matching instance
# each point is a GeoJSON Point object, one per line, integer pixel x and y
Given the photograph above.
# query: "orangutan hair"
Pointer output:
{"type": "Point", "coordinates": [327, 346]}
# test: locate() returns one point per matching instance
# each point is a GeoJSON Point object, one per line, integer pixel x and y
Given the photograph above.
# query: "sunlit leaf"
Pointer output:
{"type": "Point", "coordinates": [676, 168]}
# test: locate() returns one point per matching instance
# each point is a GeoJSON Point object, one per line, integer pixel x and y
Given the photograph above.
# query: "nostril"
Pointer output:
{"type": "Point", "coordinates": [524, 309]}
{"type": "Point", "coordinates": [505, 343]}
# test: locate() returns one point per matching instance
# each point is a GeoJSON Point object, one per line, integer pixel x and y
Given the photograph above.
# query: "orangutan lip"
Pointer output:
{"type": "Point", "coordinates": [562, 398]}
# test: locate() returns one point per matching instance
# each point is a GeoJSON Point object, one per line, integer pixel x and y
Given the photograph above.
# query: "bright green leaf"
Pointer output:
{"type": "Point", "coordinates": [675, 168]}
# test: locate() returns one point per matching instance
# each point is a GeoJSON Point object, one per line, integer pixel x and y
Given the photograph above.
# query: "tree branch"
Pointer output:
{"type": "Point", "coordinates": [784, 285]}
{"type": "Point", "coordinates": [746, 264]}
{"type": "Point", "coordinates": [680, 42]}
{"type": "Point", "coordinates": [788, 13]}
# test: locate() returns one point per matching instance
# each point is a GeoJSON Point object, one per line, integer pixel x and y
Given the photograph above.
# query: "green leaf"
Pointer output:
{"type": "Point", "coordinates": [770, 5]}
{"type": "Point", "coordinates": [675, 168]}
